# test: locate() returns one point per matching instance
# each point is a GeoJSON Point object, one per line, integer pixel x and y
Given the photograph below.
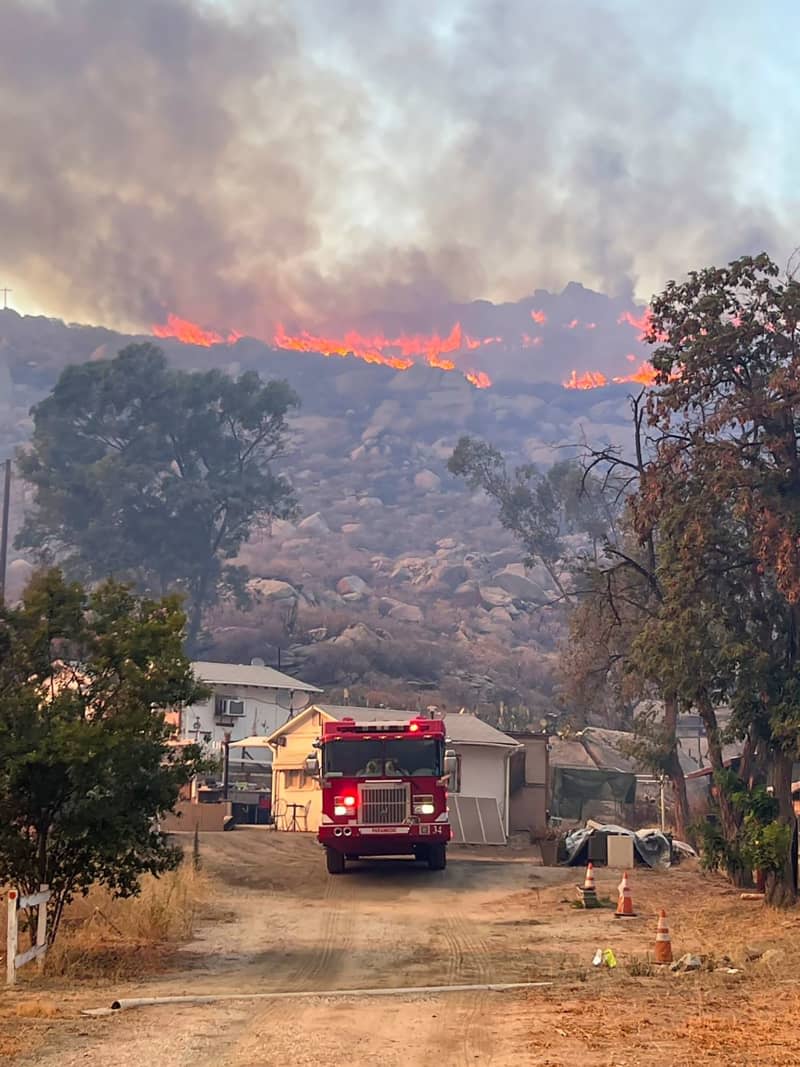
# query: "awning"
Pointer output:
{"type": "Point", "coordinates": [257, 741]}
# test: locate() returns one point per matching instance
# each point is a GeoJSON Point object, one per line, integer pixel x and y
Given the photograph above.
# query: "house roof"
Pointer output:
{"type": "Point", "coordinates": [461, 729]}
{"type": "Point", "coordinates": [595, 747]}
{"type": "Point", "coordinates": [569, 753]}
{"type": "Point", "coordinates": [249, 674]}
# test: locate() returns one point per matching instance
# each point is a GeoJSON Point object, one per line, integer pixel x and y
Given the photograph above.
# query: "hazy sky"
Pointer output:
{"type": "Point", "coordinates": [310, 160]}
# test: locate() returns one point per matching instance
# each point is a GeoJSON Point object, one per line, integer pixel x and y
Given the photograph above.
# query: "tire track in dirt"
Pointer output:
{"type": "Point", "coordinates": [470, 963]}
{"type": "Point", "coordinates": [333, 938]}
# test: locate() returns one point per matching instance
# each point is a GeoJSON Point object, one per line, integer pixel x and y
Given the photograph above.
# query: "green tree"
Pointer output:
{"type": "Point", "coordinates": [725, 483]}
{"type": "Point", "coordinates": [85, 764]}
{"type": "Point", "coordinates": [156, 476]}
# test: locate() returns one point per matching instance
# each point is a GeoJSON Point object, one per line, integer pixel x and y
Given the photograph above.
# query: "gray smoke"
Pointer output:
{"type": "Point", "coordinates": [317, 160]}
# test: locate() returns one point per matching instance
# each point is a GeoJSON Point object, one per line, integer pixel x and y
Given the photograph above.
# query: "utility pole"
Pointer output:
{"type": "Point", "coordinates": [4, 532]}
{"type": "Point", "coordinates": [5, 293]}
{"type": "Point", "coordinates": [226, 763]}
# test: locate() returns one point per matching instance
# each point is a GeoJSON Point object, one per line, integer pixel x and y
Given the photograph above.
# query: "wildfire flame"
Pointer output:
{"type": "Point", "coordinates": [192, 334]}
{"type": "Point", "coordinates": [645, 374]}
{"type": "Point", "coordinates": [400, 352]}
{"type": "Point", "coordinates": [479, 379]}
{"type": "Point", "coordinates": [404, 350]}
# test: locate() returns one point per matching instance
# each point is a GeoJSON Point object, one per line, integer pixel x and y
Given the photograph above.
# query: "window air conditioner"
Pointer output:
{"type": "Point", "coordinates": [227, 708]}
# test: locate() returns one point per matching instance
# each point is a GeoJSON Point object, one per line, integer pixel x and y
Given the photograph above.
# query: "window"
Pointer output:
{"type": "Point", "coordinates": [297, 780]}
{"type": "Point", "coordinates": [375, 759]}
{"type": "Point", "coordinates": [454, 780]}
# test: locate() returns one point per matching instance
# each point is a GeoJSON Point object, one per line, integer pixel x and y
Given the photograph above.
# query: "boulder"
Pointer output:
{"type": "Point", "coordinates": [493, 596]}
{"type": "Point", "coordinates": [273, 590]}
{"type": "Point", "coordinates": [406, 613]}
{"type": "Point", "coordinates": [351, 527]}
{"type": "Point", "coordinates": [386, 603]}
{"type": "Point", "coordinates": [503, 557]}
{"type": "Point", "coordinates": [467, 594]}
{"type": "Point", "coordinates": [427, 481]}
{"type": "Point", "coordinates": [352, 586]}
{"type": "Point", "coordinates": [357, 634]}
{"type": "Point", "coordinates": [449, 575]}
{"type": "Point", "coordinates": [500, 616]}
{"type": "Point", "coordinates": [314, 524]}
{"type": "Point", "coordinates": [370, 502]}
{"type": "Point", "coordinates": [515, 581]}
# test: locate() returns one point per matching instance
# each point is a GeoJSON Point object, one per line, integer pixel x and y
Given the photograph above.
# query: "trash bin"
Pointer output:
{"type": "Point", "coordinates": [549, 850]}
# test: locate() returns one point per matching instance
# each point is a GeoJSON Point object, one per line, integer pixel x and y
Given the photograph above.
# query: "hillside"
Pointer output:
{"type": "Point", "coordinates": [396, 581]}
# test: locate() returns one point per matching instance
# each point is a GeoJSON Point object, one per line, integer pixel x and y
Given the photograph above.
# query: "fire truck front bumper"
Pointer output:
{"type": "Point", "coordinates": [383, 840]}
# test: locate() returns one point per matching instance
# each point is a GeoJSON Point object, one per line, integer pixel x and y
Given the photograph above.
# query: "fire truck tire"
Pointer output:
{"type": "Point", "coordinates": [335, 861]}
{"type": "Point", "coordinates": [437, 857]}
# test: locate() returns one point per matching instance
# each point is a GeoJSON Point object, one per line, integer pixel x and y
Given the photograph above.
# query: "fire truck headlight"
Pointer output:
{"type": "Point", "coordinates": [423, 806]}
{"type": "Point", "coordinates": [345, 805]}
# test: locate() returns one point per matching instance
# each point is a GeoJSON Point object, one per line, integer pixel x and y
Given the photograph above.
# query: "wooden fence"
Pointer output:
{"type": "Point", "coordinates": [15, 959]}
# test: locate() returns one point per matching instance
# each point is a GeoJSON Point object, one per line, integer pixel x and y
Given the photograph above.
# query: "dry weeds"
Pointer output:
{"type": "Point", "coordinates": [112, 939]}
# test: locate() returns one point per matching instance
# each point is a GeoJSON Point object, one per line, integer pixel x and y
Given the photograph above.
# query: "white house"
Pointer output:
{"type": "Point", "coordinates": [483, 766]}
{"type": "Point", "coordinates": [246, 700]}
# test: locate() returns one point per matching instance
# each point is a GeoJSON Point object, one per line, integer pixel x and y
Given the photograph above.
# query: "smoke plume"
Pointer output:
{"type": "Point", "coordinates": [323, 161]}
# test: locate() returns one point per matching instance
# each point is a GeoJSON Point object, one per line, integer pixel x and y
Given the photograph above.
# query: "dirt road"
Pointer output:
{"type": "Point", "coordinates": [279, 922]}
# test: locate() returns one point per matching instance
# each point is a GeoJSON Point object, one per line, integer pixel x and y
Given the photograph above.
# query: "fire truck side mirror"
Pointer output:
{"type": "Point", "coordinates": [312, 765]}
{"type": "Point", "coordinates": [450, 764]}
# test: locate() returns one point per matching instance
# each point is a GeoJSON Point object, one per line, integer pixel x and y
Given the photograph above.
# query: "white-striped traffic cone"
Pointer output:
{"type": "Point", "coordinates": [625, 900]}
{"type": "Point", "coordinates": [663, 950]}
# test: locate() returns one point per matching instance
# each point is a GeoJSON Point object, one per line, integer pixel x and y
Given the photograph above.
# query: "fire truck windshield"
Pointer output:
{"type": "Point", "coordinates": [396, 757]}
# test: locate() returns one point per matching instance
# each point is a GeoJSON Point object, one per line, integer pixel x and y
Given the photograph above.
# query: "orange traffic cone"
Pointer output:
{"type": "Point", "coordinates": [625, 900]}
{"type": "Point", "coordinates": [588, 891]}
{"type": "Point", "coordinates": [663, 951]}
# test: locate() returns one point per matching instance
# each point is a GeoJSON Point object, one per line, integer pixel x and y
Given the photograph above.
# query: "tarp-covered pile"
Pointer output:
{"type": "Point", "coordinates": [650, 847]}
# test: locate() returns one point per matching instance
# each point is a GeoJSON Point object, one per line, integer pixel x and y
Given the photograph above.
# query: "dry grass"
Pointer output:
{"type": "Point", "coordinates": [106, 938]}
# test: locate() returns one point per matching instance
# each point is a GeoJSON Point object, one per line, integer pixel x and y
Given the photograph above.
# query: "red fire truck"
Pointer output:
{"type": "Point", "coordinates": [384, 790]}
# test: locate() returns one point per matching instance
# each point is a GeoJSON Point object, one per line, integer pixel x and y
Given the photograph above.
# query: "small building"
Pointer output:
{"type": "Point", "coordinates": [483, 756]}
{"type": "Point", "coordinates": [247, 700]}
{"type": "Point", "coordinates": [529, 787]}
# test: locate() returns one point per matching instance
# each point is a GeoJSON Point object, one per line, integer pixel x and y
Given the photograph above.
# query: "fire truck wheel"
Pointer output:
{"type": "Point", "coordinates": [334, 861]}
{"type": "Point", "coordinates": [437, 858]}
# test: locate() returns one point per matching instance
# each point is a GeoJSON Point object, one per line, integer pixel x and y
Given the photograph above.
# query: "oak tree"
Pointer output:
{"type": "Point", "coordinates": [156, 476]}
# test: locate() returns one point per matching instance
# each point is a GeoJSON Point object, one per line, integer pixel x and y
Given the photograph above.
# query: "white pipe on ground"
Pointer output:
{"type": "Point", "coordinates": [402, 991]}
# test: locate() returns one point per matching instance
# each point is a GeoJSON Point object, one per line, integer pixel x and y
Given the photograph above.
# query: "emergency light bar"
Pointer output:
{"type": "Point", "coordinates": [350, 726]}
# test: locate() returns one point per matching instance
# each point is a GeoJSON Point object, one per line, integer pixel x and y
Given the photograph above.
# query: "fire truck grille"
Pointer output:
{"type": "Point", "coordinates": [384, 805]}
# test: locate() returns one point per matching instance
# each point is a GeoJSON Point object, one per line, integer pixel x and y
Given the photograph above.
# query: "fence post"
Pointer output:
{"type": "Point", "coordinates": [11, 937]}
{"type": "Point", "coordinates": [41, 929]}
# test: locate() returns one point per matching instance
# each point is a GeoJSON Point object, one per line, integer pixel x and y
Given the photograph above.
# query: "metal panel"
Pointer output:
{"type": "Point", "coordinates": [455, 820]}
{"type": "Point", "coordinates": [476, 821]}
{"type": "Point", "coordinates": [620, 851]}
{"type": "Point", "coordinates": [471, 821]}
{"type": "Point", "coordinates": [383, 805]}
{"type": "Point", "coordinates": [489, 812]}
